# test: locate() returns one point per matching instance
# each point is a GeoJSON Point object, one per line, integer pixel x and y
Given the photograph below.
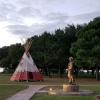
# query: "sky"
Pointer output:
{"type": "Point", "coordinates": [21, 19]}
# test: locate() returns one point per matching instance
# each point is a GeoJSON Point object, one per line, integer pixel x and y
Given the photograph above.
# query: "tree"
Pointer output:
{"type": "Point", "coordinates": [3, 52]}
{"type": "Point", "coordinates": [11, 60]}
{"type": "Point", "coordinates": [87, 47]}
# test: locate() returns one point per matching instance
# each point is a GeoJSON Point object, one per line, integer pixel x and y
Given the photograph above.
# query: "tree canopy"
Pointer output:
{"type": "Point", "coordinates": [86, 48]}
{"type": "Point", "coordinates": [52, 50]}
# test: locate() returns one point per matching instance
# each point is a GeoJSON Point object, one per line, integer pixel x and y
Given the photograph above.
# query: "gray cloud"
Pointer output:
{"type": "Point", "coordinates": [8, 12]}
{"type": "Point", "coordinates": [29, 12]}
{"type": "Point", "coordinates": [36, 29]}
{"type": "Point", "coordinates": [56, 17]}
{"type": "Point", "coordinates": [47, 14]}
{"type": "Point", "coordinates": [84, 18]}
{"type": "Point", "coordinates": [53, 22]}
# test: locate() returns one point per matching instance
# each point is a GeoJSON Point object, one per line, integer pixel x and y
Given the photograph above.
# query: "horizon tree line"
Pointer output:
{"type": "Point", "coordinates": [51, 51]}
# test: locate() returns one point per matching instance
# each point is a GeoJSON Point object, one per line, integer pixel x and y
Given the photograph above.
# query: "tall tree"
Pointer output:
{"type": "Point", "coordinates": [87, 47]}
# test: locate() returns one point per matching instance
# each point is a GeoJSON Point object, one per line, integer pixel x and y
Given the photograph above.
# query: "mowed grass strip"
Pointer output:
{"type": "Point", "coordinates": [5, 79]}
{"type": "Point", "coordinates": [9, 90]}
{"type": "Point", "coordinates": [94, 88]}
{"type": "Point", "coordinates": [48, 97]}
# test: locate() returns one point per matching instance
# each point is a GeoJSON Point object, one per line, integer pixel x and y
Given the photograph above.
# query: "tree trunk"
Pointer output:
{"type": "Point", "coordinates": [59, 71]}
{"type": "Point", "coordinates": [46, 71]}
{"type": "Point", "coordinates": [92, 73]}
{"type": "Point", "coordinates": [97, 74]}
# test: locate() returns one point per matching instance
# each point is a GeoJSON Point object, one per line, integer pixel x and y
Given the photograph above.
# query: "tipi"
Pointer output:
{"type": "Point", "coordinates": [26, 69]}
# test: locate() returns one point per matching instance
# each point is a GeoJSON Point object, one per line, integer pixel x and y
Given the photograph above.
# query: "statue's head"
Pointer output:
{"type": "Point", "coordinates": [71, 59]}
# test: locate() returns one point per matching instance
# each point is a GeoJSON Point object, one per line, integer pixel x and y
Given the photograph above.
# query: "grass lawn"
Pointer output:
{"type": "Point", "coordinates": [8, 90]}
{"type": "Point", "coordinates": [5, 79]}
{"type": "Point", "coordinates": [94, 88]}
{"type": "Point", "coordinates": [46, 97]}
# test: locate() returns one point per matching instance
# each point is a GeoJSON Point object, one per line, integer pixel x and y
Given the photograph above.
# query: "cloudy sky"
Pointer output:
{"type": "Point", "coordinates": [25, 18]}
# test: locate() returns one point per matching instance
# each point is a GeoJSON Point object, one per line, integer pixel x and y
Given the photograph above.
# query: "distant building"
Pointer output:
{"type": "Point", "coordinates": [1, 69]}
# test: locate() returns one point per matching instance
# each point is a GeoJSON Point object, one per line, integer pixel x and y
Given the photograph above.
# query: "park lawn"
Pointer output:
{"type": "Point", "coordinates": [95, 88]}
{"type": "Point", "coordinates": [47, 97]}
{"type": "Point", "coordinates": [8, 90]}
{"type": "Point", "coordinates": [5, 79]}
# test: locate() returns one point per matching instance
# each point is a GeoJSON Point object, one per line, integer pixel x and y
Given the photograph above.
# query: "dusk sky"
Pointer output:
{"type": "Point", "coordinates": [21, 19]}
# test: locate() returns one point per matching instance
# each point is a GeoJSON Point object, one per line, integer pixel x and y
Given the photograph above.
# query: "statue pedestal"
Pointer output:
{"type": "Point", "coordinates": [70, 88]}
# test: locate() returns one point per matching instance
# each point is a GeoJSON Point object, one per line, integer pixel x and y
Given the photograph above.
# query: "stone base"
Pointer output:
{"type": "Point", "coordinates": [79, 93]}
{"type": "Point", "coordinates": [70, 88]}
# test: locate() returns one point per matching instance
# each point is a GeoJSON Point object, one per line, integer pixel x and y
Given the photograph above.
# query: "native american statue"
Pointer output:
{"type": "Point", "coordinates": [70, 71]}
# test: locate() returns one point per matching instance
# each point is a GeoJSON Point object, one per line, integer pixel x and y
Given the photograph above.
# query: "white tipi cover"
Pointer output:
{"type": "Point", "coordinates": [26, 70]}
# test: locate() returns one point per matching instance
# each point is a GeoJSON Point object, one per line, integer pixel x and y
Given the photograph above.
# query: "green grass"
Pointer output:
{"type": "Point", "coordinates": [5, 79]}
{"type": "Point", "coordinates": [94, 88]}
{"type": "Point", "coordinates": [47, 97]}
{"type": "Point", "coordinates": [8, 90]}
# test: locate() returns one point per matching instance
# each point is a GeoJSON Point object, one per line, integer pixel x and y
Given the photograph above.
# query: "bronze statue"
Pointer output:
{"type": "Point", "coordinates": [70, 71]}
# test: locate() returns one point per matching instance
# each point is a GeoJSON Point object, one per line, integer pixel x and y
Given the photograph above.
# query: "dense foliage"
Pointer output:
{"type": "Point", "coordinates": [87, 47]}
{"type": "Point", "coordinates": [50, 51]}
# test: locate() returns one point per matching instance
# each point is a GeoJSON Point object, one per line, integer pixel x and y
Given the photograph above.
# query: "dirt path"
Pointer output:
{"type": "Point", "coordinates": [27, 93]}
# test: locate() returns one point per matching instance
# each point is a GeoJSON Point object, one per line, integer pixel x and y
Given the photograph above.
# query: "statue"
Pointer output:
{"type": "Point", "coordinates": [70, 71]}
